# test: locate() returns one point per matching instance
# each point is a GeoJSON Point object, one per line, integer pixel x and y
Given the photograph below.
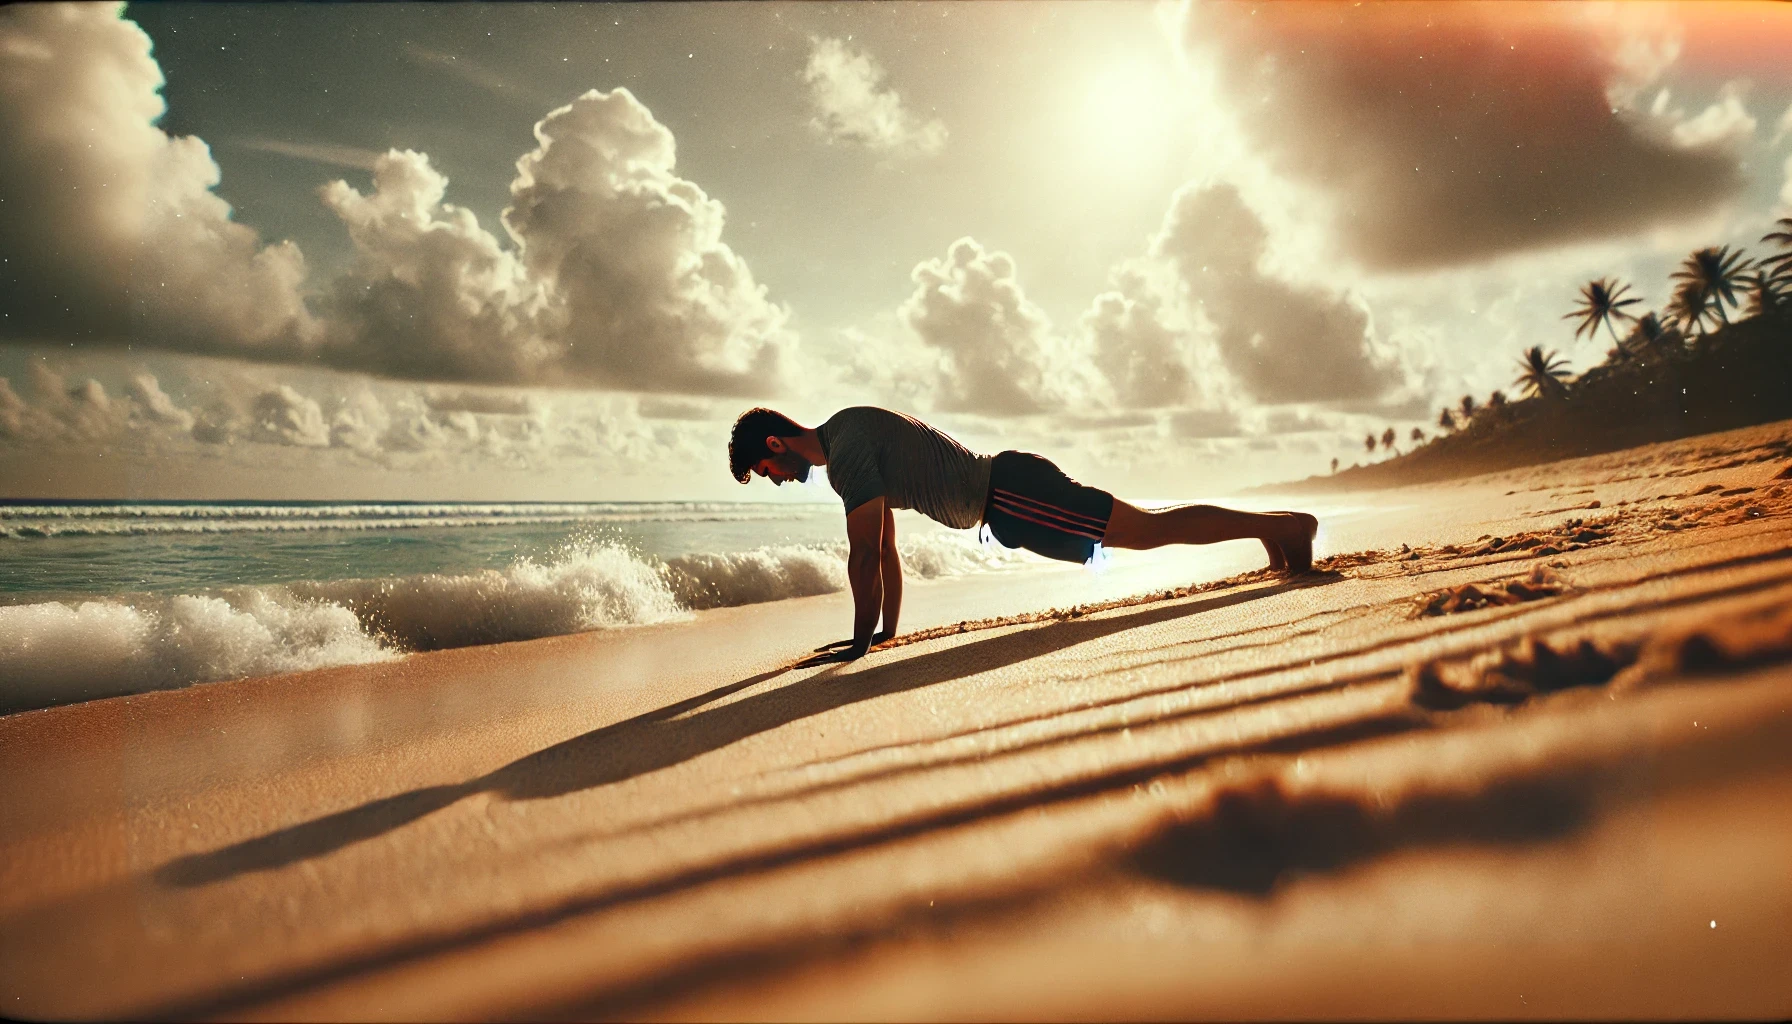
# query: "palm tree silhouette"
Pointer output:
{"type": "Point", "coordinates": [1388, 437]}
{"type": "Point", "coordinates": [1767, 293]}
{"type": "Point", "coordinates": [1334, 465]}
{"type": "Point", "coordinates": [1468, 407]}
{"type": "Point", "coordinates": [1651, 335]}
{"type": "Point", "coordinates": [1497, 400]}
{"type": "Point", "coordinates": [1689, 308]}
{"type": "Point", "coordinates": [1369, 443]}
{"type": "Point", "coordinates": [1543, 373]}
{"type": "Point", "coordinates": [1713, 273]}
{"type": "Point", "coordinates": [1418, 436]}
{"type": "Point", "coordinates": [1446, 419]}
{"type": "Point", "coordinates": [1601, 302]}
{"type": "Point", "coordinates": [1781, 264]}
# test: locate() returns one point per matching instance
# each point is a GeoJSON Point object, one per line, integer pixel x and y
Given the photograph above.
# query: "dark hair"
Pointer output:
{"type": "Point", "coordinates": [746, 446]}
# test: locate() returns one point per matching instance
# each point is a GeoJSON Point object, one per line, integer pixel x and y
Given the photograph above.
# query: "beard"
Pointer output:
{"type": "Point", "coordinates": [794, 464]}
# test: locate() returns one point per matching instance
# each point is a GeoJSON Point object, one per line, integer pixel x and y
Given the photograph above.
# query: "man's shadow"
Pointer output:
{"type": "Point", "coordinates": [679, 732]}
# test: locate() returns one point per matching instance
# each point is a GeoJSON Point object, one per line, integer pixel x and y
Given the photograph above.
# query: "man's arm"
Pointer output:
{"type": "Point", "coordinates": [892, 577]}
{"type": "Point", "coordinates": [864, 570]}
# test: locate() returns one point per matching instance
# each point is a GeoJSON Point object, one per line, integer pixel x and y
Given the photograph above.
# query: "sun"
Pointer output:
{"type": "Point", "coordinates": [1124, 116]}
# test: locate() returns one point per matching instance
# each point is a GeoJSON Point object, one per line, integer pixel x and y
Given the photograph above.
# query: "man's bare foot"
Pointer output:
{"type": "Point", "coordinates": [1297, 543]}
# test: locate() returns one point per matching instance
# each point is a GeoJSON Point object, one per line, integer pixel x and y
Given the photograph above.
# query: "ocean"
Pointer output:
{"type": "Point", "coordinates": [106, 598]}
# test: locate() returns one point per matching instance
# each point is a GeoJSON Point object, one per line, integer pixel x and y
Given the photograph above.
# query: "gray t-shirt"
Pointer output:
{"type": "Point", "coordinates": [876, 453]}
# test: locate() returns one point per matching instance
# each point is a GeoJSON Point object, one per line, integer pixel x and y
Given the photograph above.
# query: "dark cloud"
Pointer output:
{"type": "Point", "coordinates": [1451, 132]}
{"type": "Point", "coordinates": [1283, 342]}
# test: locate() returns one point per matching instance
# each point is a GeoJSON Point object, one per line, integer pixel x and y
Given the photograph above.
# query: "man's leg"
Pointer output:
{"type": "Point", "coordinates": [1286, 536]}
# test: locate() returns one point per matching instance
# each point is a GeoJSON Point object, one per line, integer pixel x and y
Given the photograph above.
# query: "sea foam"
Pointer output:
{"type": "Point", "coordinates": [58, 652]}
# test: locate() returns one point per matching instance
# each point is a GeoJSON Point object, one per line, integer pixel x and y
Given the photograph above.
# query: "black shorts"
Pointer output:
{"type": "Point", "coordinates": [1033, 505]}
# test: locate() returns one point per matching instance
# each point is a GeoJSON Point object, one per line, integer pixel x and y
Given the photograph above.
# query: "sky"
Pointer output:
{"type": "Point", "coordinates": [549, 252]}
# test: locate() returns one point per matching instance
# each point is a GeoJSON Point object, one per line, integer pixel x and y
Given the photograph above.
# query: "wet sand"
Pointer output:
{"type": "Point", "coordinates": [1522, 748]}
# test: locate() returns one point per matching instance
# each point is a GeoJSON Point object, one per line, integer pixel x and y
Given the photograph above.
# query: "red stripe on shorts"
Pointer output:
{"type": "Point", "coordinates": [1036, 505]}
{"type": "Point", "coordinates": [1074, 529]}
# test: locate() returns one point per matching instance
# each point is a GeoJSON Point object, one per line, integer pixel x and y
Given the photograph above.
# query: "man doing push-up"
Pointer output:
{"type": "Point", "coordinates": [880, 460]}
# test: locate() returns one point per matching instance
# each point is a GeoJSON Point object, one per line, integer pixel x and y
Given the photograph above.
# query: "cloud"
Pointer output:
{"type": "Point", "coordinates": [433, 295]}
{"type": "Point", "coordinates": [1282, 341]}
{"type": "Point", "coordinates": [1001, 356]}
{"type": "Point", "coordinates": [283, 416]}
{"type": "Point", "coordinates": [1206, 423]}
{"type": "Point", "coordinates": [1140, 345]}
{"type": "Point", "coordinates": [495, 403]}
{"type": "Point", "coordinates": [619, 279]}
{"type": "Point", "coordinates": [326, 153]}
{"type": "Point", "coordinates": [79, 414]}
{"type": "Point", "coordinates": [1725, 124]}
{"type": "Point", "coordinates": [469, 71]}
{"type": "Point", "coordinates": [852, 105]}
{"type": "Point", "coordinates": [1452, 133]}
{"type": "Point", "coordinates": [616, 275]}
{"type": "Point", "coordinates": [654, 300]}
{"type": "Point", "coordinates": [653, 408]}
{"type": "Point", "coordinates": [110, 231]}
{"type": "Point", "coordinates": [147, 392]}
{"type": "Point", "coordinates": [1299, 421]}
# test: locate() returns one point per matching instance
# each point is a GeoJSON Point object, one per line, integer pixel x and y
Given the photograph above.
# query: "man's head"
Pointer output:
{"type": "Point", "coordinates": [758, 445]}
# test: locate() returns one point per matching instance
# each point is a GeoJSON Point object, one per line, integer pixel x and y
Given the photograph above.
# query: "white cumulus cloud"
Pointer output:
{"type": "Point", "coordinates": [1001, 355]}
{"type": "Point", "coordinates": [110, 230]}
{"type": "Point", "coordinates": [852, 104]}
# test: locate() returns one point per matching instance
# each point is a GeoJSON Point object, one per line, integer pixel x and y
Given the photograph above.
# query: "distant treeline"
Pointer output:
{"type": "Point", "coordinates": [1691, 370]}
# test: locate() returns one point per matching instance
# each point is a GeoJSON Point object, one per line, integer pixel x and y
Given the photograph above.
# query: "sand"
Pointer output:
{"type": "Point", "coordinates": [1522, 748]}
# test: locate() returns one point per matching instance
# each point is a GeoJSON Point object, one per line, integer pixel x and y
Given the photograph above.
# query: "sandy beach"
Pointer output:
{"type": "Point", "coordinates": [1520, 748]}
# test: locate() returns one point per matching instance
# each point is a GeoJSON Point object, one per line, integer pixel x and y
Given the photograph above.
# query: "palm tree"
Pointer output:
{"type": "Point", "coordinates": [1334, 465]}
{"type": "Point", "coordinates": [1781, 263]}
{"type": "Point", "coordinates": [1388, 437]}
{"type": "Point", "coordinates": [1369, 443]}
{"type": "Point", "coordinates": [1767, 293]}
{"type": "Point", "coordinates": [1543, 373]}
{"type": "Point", "coordinates": [1714, 272]}
{"type": "Point", "coordinates": [1468, 407]}
{"type": "Point", "coordinates": [1601, 302]}
{"type": "Point", "coordinates": [1418, 436]}
{"type": "Point", "coordinates": [1689, 308]}
{"type": "Point", "coordinates": [1446, 419]}
{"type": "Point", "coordinates": [1651, 335]}
{"type": "Point", "coordinates": [1497, 400]}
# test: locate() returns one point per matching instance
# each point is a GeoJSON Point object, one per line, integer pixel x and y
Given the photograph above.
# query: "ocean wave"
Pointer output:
{"type": "Point", "coordinates": [25, 522]}
{"type": "Point", "coordinates": [58, 652]}
{"type": "Point", "coordinates": [345, 510]}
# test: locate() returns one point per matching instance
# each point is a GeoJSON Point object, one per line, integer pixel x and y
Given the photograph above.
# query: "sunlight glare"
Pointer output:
{"type": "Point", "coordinates": [1125, 115]}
